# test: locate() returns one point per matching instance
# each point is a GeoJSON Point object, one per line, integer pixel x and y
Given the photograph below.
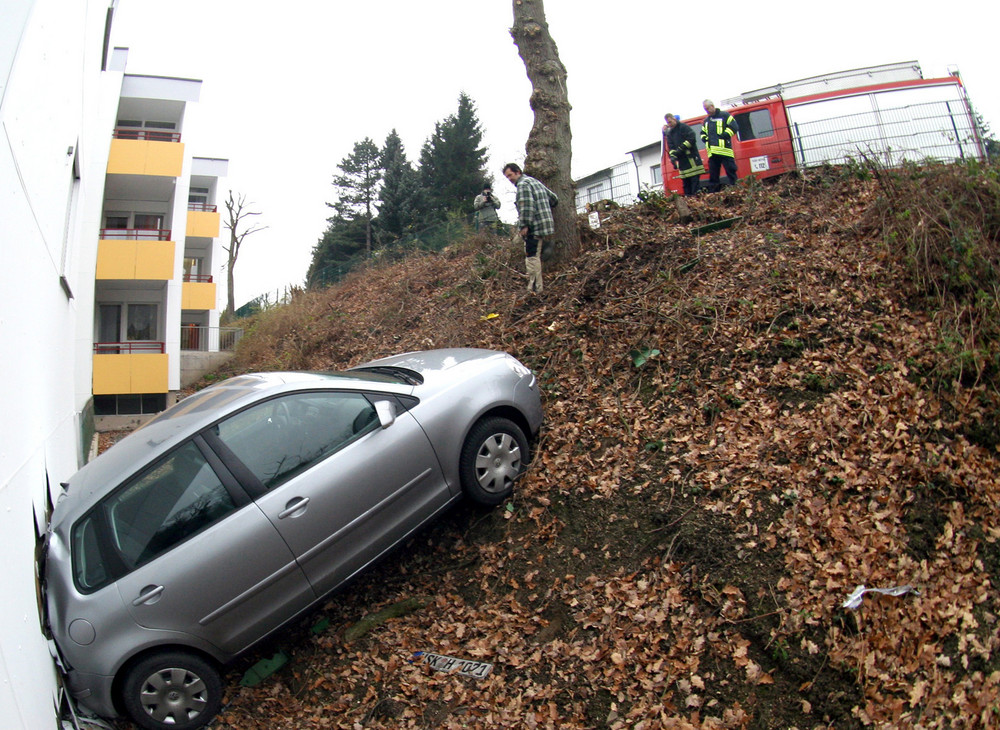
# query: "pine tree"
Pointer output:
{"type": "Point", "coordinates": [339, 249]}
{"type": "Point", "coordinates": [357, 187]}
{"type": "Point", "coordinates": [453, 161]}
{"type": "Point", "coordinates": [400, 208]}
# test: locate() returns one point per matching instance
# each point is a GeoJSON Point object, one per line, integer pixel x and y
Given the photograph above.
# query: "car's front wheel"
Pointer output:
{"type": "Point", "coordinates": [494, 455]}
{"type": "Point", "coordinates": [174, 690]}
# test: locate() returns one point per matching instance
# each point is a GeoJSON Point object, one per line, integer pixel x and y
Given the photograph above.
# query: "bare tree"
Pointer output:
{"type": "Point", "coordinates": [548, 151]}
{"type": "Point", "coordinates": [239, 216]}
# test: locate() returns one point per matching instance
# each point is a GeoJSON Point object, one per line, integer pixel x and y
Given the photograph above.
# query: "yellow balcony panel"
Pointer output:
{"type": "Point", "coordinates": [130, 373]}
{"type": "Point", "coordinates": [165, 158]}
{"type": "Point", "coordinates": [127, 157]}
{"type": "Point", "coordinates": [131, 260]}
{"type": "Point", "coordinates": [116, 259]}
{"type": "Point", "coordinates": [198, 295]}
{"type": "Point", "coordinates": [149, 373]}
{"type": "Point", "coordinates": [154, 260]}
{"type": "Point", "coordinates": [112, 374]}
{"type": "Point", "coordinates": [203, 224]}
{"type": "Point", "coordinates": [145, 157]}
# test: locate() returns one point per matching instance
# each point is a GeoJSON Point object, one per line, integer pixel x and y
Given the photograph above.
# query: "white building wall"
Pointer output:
{"type": "Point", "coordinates": [53, 153]}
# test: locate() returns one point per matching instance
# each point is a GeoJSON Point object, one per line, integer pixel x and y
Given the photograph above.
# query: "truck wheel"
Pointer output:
{"type": "Point", "coordinates": [172, 690]}
{"type": "Point", "coordinates": [493, 457]}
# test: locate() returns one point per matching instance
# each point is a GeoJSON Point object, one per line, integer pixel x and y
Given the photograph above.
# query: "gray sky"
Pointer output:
{"type": "Point", "coordinates": [289, 88]}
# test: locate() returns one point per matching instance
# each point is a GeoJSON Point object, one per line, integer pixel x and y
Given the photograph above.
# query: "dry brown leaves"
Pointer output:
{"type": "Point", "coordinates": [679, 551]}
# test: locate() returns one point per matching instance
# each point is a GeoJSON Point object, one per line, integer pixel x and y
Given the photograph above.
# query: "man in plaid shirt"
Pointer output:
{"type": "Point", "coordinates": [534, 220]}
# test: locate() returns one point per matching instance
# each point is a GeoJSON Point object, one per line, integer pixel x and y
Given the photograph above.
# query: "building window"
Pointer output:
{"type": "Point", "coordinates": [655, 175]}
{"type": "Point", "coordinates": [116, 221]}
{"type": "Point", "coordinates": [193, 269]}
{"type": "Point", "coordinates": [198, 196]}
{"type": "Point", "coordinates": [141, 322]}
{"type": "Point", "coordinates": [142, 404]}
{"type": "Point", "coordinates": [122, 224]}
{"type": "Point", "coordinates": [149, 221]}
{"type": "Point", "coordinates": [126, 323]}
{"type": "Point", "coordinates": [595, 193]}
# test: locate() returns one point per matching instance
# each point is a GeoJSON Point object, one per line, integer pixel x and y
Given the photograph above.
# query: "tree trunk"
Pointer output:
{"type": "Point", "coordinates": [548, 151]}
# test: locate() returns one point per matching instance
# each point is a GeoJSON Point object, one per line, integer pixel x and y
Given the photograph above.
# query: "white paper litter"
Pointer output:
{"type": "Point", "coordinates": [854, 600]}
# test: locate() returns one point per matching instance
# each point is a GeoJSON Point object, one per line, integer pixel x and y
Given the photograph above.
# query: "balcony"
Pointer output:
{"type": "Point", "coordinates": [198, 293]}
{"type": "Point", "coordinates": [210, 339]}
{"type": "Point", "coordinates": [203, 223]}
{"type": "Point", "coordinates": [135, 254]}
{"type": "Point", "coordinates": [146, 152]}
{"type": "Point", "coordinates": [129, 367]}
{"type": "Point", "coordinates": [204, 349]}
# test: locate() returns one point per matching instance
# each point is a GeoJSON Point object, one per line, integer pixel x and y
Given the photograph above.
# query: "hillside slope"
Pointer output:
{"type": "Point", "coordinates": [741, 428]}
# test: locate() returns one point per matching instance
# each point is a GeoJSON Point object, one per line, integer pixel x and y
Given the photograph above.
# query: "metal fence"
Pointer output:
{"type": "Point", "coordinates": [433, 238]}
{"type": "Point", "coordinates": [617, 185]}
{"type": "Point", "coordinates": [210, 339]}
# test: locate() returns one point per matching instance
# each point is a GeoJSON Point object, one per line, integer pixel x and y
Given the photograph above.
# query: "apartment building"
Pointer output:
{"type": "Point", "coordinates": [158, 256]}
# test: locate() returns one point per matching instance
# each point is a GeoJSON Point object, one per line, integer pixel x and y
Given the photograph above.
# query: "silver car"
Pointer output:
{"type": "Point", "coordinates": [242, 505]}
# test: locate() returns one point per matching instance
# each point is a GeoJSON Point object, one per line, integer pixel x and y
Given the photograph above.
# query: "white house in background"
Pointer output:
{"type": "Point", "coordinates": [624, 180]}
{"type": "Point", "coordinates": [64, 94]}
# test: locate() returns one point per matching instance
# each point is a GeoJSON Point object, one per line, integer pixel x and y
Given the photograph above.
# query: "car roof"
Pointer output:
{"type": "Point", "coordinates": [199, 410]}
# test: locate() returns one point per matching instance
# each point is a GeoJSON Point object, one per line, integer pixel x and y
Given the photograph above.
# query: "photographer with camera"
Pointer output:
{"type": "Point", "coordinates": [486, 206]}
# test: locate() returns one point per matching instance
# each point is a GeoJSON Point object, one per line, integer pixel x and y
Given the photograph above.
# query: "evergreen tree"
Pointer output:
{"type": "Point", "coordinates": [339, 249]}
{"type": "Point", "coordinates": [357, 187]}
{"type": "Point", "coordinates": [400, 207]}
{"type": "Point", "coordinates": [453, 161]}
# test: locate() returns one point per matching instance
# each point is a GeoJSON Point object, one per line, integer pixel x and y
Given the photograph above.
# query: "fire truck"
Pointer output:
{"type": "Point", "coordinates": [889, 114]}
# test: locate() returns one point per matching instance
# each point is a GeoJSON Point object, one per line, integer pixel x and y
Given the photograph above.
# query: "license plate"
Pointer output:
{"type": "Point", "coordinates": [759, 164]}
{"type": "Point", "coordinates": [442, 663]}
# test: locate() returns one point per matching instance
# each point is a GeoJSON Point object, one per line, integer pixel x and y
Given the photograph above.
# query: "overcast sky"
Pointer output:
{"type": "Point", "coordinates": [288, 88]}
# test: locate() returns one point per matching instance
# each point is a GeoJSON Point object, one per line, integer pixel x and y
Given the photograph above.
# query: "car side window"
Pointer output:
{"type": "Point", "coordinates": [175, 498]}
{"type": "Point", "coordinates": [283, 437]}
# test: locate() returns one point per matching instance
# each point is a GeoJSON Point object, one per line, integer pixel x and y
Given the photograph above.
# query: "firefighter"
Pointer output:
{"type": "Point", "coordinates": [718, 133]}
{"type": "Point", "coordinates": [683, 147]}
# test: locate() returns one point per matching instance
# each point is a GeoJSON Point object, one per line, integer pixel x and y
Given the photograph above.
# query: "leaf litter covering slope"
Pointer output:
{"type": "Point", "coordinates": [679, 550]}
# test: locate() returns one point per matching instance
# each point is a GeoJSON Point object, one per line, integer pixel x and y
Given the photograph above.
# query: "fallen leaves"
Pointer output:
{"type": "Point", "coordinates": [798, 452]}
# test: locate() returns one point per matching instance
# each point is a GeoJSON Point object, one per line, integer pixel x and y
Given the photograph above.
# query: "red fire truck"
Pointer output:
{"type": "Point", "coordinates": [887, 113]}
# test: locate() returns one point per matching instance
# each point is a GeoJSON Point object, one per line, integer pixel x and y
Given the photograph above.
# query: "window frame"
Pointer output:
{"type": "Point", "coordinates": [98, 517]}
{"type": "Point", "coordinates": [250, 481]}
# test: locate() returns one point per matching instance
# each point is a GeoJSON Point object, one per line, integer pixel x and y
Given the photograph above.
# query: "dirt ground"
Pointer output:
{"type": "Point", "coordinates": [741, 427]}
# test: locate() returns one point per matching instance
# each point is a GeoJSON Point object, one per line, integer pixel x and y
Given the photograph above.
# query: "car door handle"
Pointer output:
{"type": "Point", "coordinates": [294, 508]}
{"type": "Point", "coordinates": [149, 594]}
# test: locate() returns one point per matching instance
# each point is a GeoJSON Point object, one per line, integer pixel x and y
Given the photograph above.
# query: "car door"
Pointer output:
{"type": "Point", "coordinates": [202, 563]}
{"type": "Point", "coordinates": [339, 487]}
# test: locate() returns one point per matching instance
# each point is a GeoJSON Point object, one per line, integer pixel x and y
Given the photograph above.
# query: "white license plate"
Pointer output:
{"type": "Point", "coordinates": [442, 663]}
{"type": "Point", "coordinates": [759, 164]}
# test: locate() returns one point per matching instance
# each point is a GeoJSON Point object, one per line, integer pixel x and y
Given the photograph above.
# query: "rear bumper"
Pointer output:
{"type": "Point", "coordinates": [92, 692]}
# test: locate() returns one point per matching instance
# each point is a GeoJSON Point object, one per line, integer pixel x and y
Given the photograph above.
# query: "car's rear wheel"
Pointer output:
{"type": "Point", "coordinates": [493, 457]}
{"type": "Point", "coordinates": [174, 690]}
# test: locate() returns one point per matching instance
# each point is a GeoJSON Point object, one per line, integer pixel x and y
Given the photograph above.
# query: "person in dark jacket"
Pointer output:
{"type": "Point", "coordinates": [683, 151]}
{"type": "Point", "coordinates": [718, 133]}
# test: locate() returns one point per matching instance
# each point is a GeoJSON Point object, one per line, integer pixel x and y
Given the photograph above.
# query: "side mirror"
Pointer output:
{"type": "Point", "coordinates": [386, 411]}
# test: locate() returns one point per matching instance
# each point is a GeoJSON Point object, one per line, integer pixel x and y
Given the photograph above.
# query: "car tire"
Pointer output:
{"type": "Point", "coordinates": [172, 690]}
{"type": "Point", "coordinates": [494, 455]}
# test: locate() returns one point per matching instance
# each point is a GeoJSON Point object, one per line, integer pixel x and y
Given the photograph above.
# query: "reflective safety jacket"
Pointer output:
{"type": "Point", "coordinates": [683, 150]}
{"type": "Point", "coordinates": [717, 132]}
